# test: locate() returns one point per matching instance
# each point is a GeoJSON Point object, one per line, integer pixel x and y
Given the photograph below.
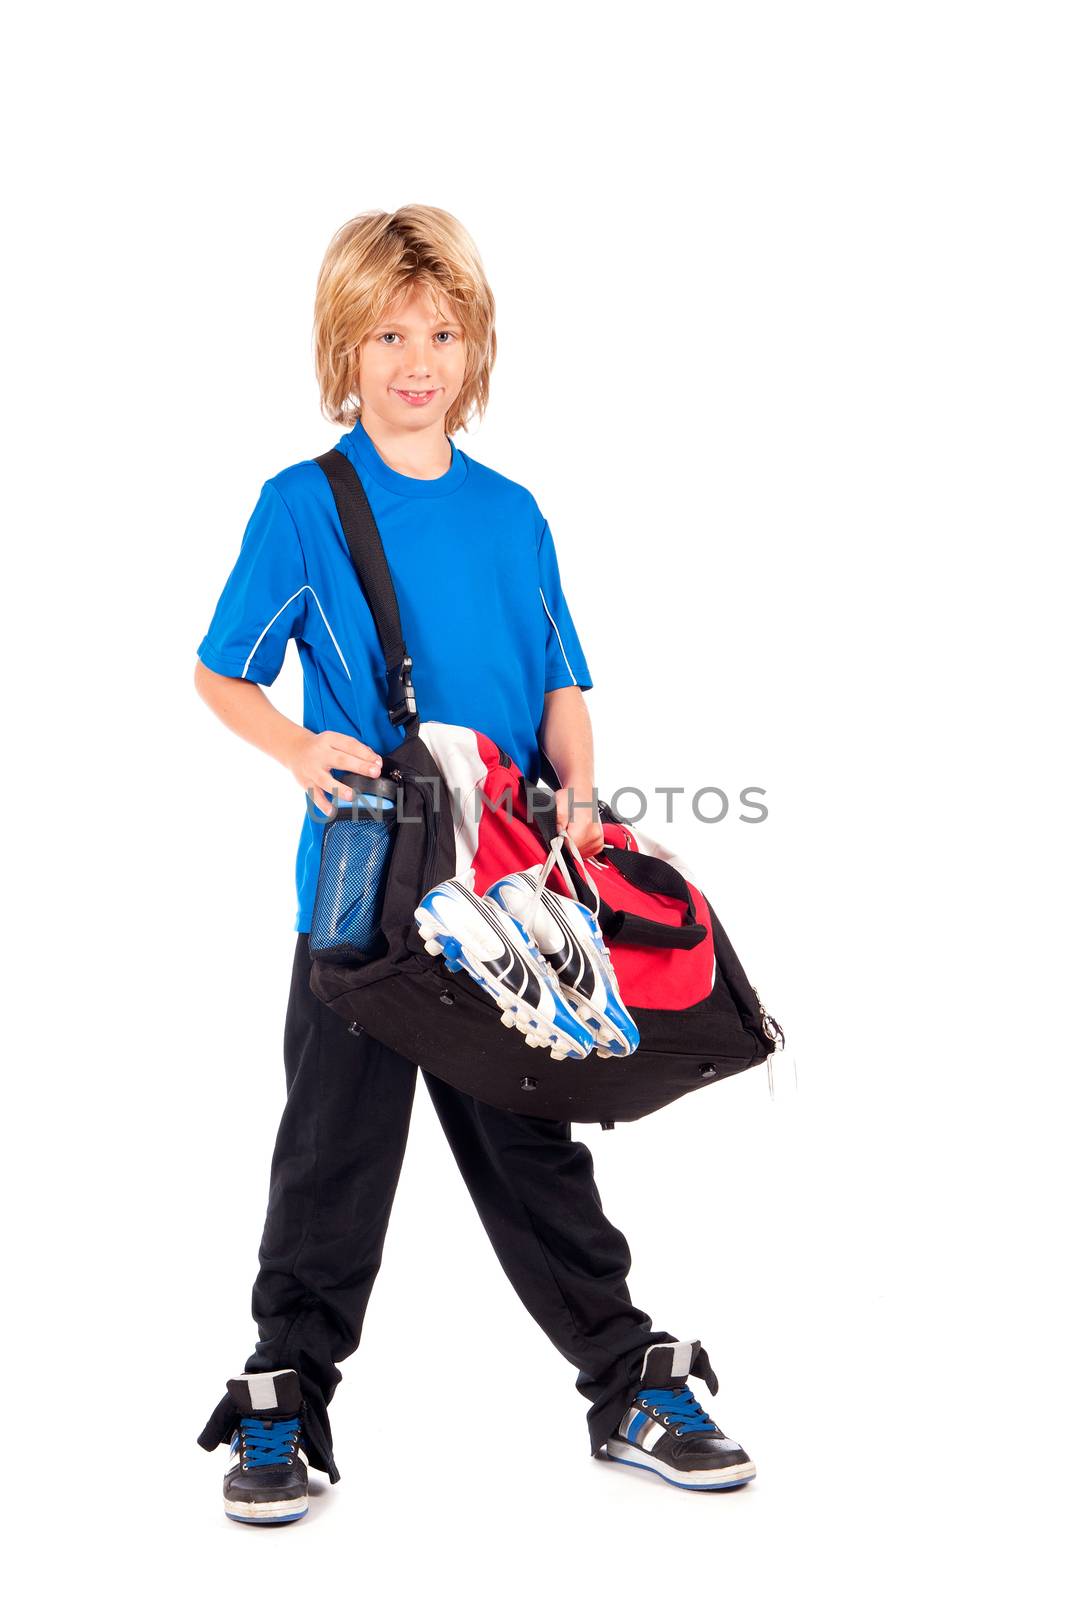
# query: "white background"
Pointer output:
{"type": "Point", "coordinates": [782, 357]}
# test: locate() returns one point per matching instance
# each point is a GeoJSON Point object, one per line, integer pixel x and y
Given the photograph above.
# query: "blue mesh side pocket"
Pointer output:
{"type": "Point", "coordinates": [356, 847]}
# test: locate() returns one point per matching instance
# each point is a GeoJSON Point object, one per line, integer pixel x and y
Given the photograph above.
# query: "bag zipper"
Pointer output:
{"type": "Point", "coordinates": [773, 1032]}
{"type": "Point", "coordinates": [431, 825]}
{"type": "Point", "coordinates": [769, 1025]}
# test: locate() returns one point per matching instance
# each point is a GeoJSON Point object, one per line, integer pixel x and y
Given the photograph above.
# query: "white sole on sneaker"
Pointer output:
{"type": "Point", "coordinates": [265, 1510]}
{"type": "Point", "coordinates": [515, 1011]}
{"type": "Point", "coordinates": [630, 1455]}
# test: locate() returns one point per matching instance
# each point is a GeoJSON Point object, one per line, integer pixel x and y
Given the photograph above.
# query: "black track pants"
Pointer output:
{"type": "Point", "coordinates": [336, 1162]}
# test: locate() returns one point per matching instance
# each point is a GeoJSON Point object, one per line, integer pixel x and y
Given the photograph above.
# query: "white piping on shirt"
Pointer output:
{"type": "Point", "coordinates": [322, 614]}
{"type": "Point", "coordinates": [552, 619]}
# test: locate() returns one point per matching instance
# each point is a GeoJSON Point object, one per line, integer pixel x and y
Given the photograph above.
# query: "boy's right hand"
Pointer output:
{"type": "Point", "coordinates": [314, 757]}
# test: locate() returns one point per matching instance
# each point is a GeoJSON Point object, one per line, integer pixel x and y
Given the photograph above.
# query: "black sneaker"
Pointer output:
{"type": "Point", "coordinates": [666, 1430]}
{"type": "Point", "coordinates": [267, 1478]}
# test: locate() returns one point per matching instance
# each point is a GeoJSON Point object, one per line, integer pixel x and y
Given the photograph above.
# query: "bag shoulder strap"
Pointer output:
{"type": "Point", "coordinates": [368, 557]}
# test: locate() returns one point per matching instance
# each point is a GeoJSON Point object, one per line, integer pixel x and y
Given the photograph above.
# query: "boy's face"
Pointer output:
{"type": "Point", "coordinates": [412, 364]}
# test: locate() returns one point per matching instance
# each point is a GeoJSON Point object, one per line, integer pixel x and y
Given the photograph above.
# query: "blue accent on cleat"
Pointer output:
{"type": "Point", "coordinates": [621, 1020]}
{"type": "Point", "coordinates": [565, 1020]}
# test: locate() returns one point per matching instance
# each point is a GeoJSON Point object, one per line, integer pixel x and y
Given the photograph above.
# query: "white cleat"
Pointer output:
{"type": "Point", "coordinates": [484, 940]}
{"type": "Point", "coordinates": [569, 938]}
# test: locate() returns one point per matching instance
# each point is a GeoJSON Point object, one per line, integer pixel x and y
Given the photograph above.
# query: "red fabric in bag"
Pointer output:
{"type": "Point", "coordinates": [668, 980]}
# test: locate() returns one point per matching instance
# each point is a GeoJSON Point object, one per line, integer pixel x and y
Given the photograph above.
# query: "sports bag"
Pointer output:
{"type": "Point", "coordinates": [464, 810]}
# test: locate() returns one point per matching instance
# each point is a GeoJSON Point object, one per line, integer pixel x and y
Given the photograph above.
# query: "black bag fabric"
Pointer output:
{"type": "Point", "coordinates": [445, 1021]}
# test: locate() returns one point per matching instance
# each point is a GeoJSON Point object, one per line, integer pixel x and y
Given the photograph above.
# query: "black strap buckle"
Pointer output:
{"type": "Point", "coordinates": [401, 693]}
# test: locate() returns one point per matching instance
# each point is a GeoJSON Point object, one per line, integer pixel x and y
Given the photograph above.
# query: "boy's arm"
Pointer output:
{"type": "Point", "coordinates": [567, 740]}
{"type": "Point", "coordinates": [246, 711]}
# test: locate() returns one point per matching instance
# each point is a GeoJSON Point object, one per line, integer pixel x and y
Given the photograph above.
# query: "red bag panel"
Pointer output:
{"type": "Point", "coordinates": [662, 980]}
{"type": "Point", "coordinates": [508, 844]}
{"type": "Point", "coordinates": [666, 980]}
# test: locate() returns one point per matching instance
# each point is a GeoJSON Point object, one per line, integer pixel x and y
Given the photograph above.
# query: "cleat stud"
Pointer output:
{"type": "Point", "coordinates": [434, 946]}
{"type": "Point", "coordinates": [533, 1040]}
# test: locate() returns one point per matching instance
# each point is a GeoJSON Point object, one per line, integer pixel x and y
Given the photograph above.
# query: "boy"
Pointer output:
{"type": "Point", "coordinates": [404, 345]}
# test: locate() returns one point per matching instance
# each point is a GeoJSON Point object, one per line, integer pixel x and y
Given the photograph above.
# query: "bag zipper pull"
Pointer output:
{"type": "Point", "coordinates": [774, 1032]}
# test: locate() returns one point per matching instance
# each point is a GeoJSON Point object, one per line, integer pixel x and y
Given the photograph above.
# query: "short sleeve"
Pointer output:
{"type": "Point", "coordinates": [262, 605]}
{"type": "Point", "coordinates": [564, 657]}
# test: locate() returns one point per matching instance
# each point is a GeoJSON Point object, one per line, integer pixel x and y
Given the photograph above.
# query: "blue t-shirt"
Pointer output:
{"type": "Point", "coordinates": [481, 607]}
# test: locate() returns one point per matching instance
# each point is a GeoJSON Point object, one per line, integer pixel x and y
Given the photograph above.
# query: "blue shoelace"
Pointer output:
{"type": "Point", "coordinates": [269, 1444]}
{"type": "Point", "coordinates": [678, 1407]}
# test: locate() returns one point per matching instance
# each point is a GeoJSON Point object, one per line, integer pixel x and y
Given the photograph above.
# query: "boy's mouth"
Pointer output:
{"type": "Point", "coordinates": [415, 397]}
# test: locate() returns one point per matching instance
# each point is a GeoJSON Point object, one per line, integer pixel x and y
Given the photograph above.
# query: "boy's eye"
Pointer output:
{"type": "Point", "coordinates": [390, 335]}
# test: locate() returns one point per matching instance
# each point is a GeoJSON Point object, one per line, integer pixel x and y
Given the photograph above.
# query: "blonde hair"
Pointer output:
{"type": "Point", "coordinates": [370, 262]}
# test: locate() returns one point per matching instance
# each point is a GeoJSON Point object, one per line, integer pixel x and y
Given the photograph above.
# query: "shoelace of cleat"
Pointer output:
{"type": "Point", "coordinates": [268, 1444]}
{"type": "Point", "coordinates": [555, 858]}
{"type": "Point", "coordinates": [679, 1406]}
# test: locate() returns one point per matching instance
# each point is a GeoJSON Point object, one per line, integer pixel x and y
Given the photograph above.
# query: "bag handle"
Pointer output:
{"type": "Point", "coordinates": [657, 877]}
{"type": "Point", "coordinates": [368, 557]}
{"type": "Point", "coordinates": [644, 872]}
